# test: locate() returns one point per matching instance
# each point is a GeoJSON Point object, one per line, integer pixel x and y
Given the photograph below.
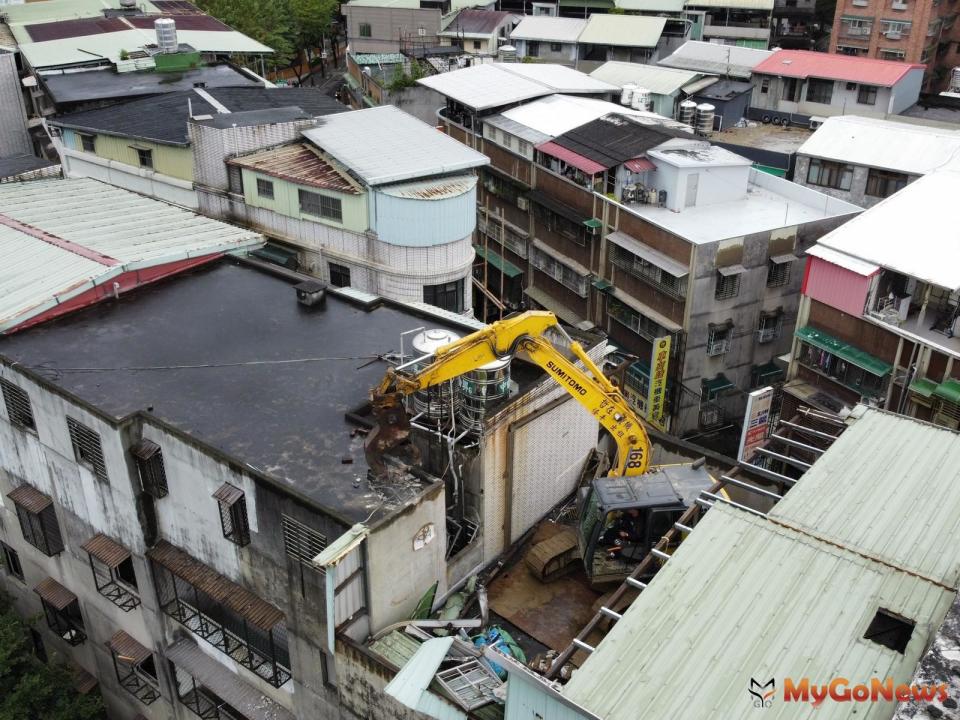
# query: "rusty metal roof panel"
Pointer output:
{"type": "Point", "coordinates": [228, 494]}
{"type": "Point", "coordinates": [29, 498]}
{"type": "Point", "coordinates": [437, 189]}
{"type": "Point", "coordinates": [254, 609]}
{"type": "Point", "coordinates": [298, 163]}
{"type": "Point", "coordinates": [127, 649]}
{"type": "Point", "coordinates": [106, 550]}
{"type": "Point", "coordinates": [54, 594]}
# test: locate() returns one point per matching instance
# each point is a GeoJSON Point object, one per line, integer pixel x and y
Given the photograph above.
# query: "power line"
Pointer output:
{"type": "Point", "coordinates": [200, 366]}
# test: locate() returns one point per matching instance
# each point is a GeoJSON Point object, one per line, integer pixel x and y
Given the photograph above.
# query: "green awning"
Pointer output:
{"type": "Point", "coordinates": [277, 255]}
{"type": "Point", "coordinates": [767, 371]}
{"type": "Point", "coordinates": [601, 284]}
{"type": "Point", "coordinates": [501, 264]}
{"type": "Point", "coordinates": [593, 223]}
{"type": "Point", "coordinates": [949, 391]}
{"type": "Point", "coordinates": [717, 384]}
{"type": "Point", "coordinates": [923, 387]}
{"type": "Point", "coordinates": [844, 351]}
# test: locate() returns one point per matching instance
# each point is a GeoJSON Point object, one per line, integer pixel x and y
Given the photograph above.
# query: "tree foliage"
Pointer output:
{"type": "Point", "coordinates": [32, 690]}
{"type": "Point", "coordinates": [287, 26]}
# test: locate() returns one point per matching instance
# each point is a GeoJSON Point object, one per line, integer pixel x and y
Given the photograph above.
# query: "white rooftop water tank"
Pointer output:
{"type": "Point", "coordinates": [166, 30]}
{"type": "Point", "coordinates": [626, 97]}
{"type": "Point", "coordinates": [435, 402]}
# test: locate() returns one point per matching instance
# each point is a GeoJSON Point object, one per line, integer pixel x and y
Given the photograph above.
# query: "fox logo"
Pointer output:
{"type": "Point", "coordinates": [762, 693]}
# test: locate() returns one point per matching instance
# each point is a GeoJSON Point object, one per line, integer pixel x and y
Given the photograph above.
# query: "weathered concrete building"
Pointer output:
{"type": "Point", "coordinates": [626, 221]}
{"type": "Point", "coordinates": [164, 522]}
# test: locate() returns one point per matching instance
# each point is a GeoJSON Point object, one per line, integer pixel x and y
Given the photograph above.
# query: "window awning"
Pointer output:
{"type": "Point", "coordinates": [228, 494]}
{"type": "Point", "coordinates": [54, 594]}
{"type": "Point", "coordinates": [105, 550]}
{"type": "Point", "coordinates": [127, 649]}
{"type": "Point", "coordinates": [500, 263]}
{"type": "Point", "coordinates": [645, 252]}
{"type": "Point", "coordinates": [601, 284]}
{"type": "Point", "coordinates": [226, 684]}
{"type": "Point", "coordinates": [725, 325]}
{"type": "Point", "coordinates": [30, 499]}
{"type": "Point", "coordinates": [923, 387]}
{"type": "Point", "coordinates": [851, 354]}
{"type": "Point", "coordinates": [717, 384]}
{"type": "Point", "coordinates": [253, 609]}
{"type": "Point", "coordinates": [543, 299]}
{"type": "Point", "coordinates": [781, 259]}
{"type": "Point", "coordinates": [145, 449]}
{"type": "Point", "coordinates": [767, 370]}
{"type": "Point", "coordinates": [949, 391]}
{"type": "Point", "coordinates": [640, 164]}
{"type": "Point", "coordinates": [644, 309]}
{"type": "Point", "coordinates": [587, 165]}
{"type": "Point", "coordinates": [561, 258]}
{"type": "Point", "coordinates": [731, 270]}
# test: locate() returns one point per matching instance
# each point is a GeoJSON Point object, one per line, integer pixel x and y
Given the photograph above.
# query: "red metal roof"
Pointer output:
{"type": "Point", "coordinates": [300, 164]}
{"type": "Point", "coordinates": [831, 66]}
{"type": "Point", "coordinates": [571, 158]}
{"type": "Point", "coordinates": [640, 164]}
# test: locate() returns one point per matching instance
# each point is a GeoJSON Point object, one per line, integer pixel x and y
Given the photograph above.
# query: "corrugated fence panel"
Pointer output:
{"type": "Point", "coordinates": [836, 286]}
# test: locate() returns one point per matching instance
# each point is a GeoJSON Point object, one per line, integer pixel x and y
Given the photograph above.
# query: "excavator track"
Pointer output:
{"type": "Point", "coordinates": [555, 556]}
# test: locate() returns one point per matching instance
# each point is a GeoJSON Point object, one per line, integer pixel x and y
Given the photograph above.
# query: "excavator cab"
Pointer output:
{"type": "Point", "coordinates": [622, 518]}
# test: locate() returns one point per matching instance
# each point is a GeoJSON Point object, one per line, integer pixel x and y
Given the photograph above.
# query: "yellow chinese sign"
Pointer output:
{"type": "Point", "coordinates": [657, 397]}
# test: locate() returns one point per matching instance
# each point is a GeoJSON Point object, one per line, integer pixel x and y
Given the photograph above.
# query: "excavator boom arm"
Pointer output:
{"type": "Point", "coordinates": [524, 332]}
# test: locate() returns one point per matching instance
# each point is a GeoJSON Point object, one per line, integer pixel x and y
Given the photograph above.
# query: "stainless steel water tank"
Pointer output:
{"type": "Point", "coordinates": [480, 389]}
{"type": "Point", "coordinates": [434, 403]}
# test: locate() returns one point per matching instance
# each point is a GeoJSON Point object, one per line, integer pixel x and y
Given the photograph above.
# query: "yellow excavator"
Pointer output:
{"type": "Point", "coordinates": [631, 496]}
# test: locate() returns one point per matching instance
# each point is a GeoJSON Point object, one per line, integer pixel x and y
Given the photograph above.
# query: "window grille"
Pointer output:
{"type": "Point", "coordinates": [38, 519]}
{"type": "Point", "coordinates": [564, 275]}
{"type": "Point", "coordinates": [778, 274]}
{"type": "Point", "coordinates": [302, 543]}
{"type": "Point", "coordinates": [265, 188]}
{"type": "Point", "coordinates": [233, 514]}
{"type": "Point", "coordinates": [17, 402]}
{"type": "Point", "coordinates": [769, 328]}
{"type": "Point", "coordinates": [718, 339]}
{"type": "Point", "coordinates": [153, 476]}
{"type": "Point", "coordinates": [113, 573]}
{"type": "Point", "coordinates": [62, 611]}
{"type": "Point", "coordinates": [339, 275]}
{"type": "Point", "coordinates": [728, 286]}
{"type": "Point", "coordinates": [87, 448]}
{"type": "Point", "coordinates": [647, 271]}
{"type": "Point", "coordinates": [322, 206]}
{"type": "Point", "coordinates": [135, 668]}
{"type": "Point", "coordinates": [11, 561]}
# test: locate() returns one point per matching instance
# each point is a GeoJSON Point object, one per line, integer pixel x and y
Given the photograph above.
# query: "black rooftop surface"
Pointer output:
{"type": "Point", "coordinates": [724, 90]}
{"type": "Point", "coordinates": [164, 118]}
{"type": "Point", "coordinates": [286, 420]}
{"type": "Point", "coordinates": [256, 117]}
{"type": "Point", "coordinates": [614, 139]}
{"type": "Point", "coordinates": [16, 164]}
{"type": "Point", "coordinates": [111, 85]}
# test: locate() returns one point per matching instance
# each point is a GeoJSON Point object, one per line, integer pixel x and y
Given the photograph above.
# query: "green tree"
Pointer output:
{"type": "Point", "coordinates": [33, 690]}
{"type": "Point", "coordinates": [266, 21]}
{"type": "Point", "coordinates": [312, 22]}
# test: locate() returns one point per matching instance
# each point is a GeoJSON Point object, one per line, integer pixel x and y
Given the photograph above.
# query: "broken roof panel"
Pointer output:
{"type": "Point", "coordinates": [299, 163]}
{"type": "Point", "coordinates": [476, 23]}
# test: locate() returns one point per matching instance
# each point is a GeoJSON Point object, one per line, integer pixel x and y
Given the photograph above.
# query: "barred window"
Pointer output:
{"type": "Point", "coordinates": [88, 143]}
{"type": "Point", "coordinates": [11, 561]}
{"type": "Point", "coordinates": [135, 668]}
{"type": "Point", "coordinates": [87, 448]}
{"type": "Point", "coordinates": [769, 327]}
{"type": "Point", "coordinates": [646, 270]}
{"type": "Point", "coordinates": [564, 275]}
{"type": "Point", "coordinates": [728, 286]}
{"type": "Point", "coordinates": [113, 574]}
{"type": "Point", "coordinates": [62, 611]}
{"type": "Point", "coordinates": [153, 476]}
{"type": "Point", "coordinates": [319, 205]}
{"type": "Point", "coordinates": [18, 406]}
{"type": "Point", "coordinates": [778, 274]}
{"type": "Point", "coordinates": [339, 275]}
{"type": "Point", "coordinates": [233, 514]}
{"type": "Point", "coordinates": [718, 339]}
{"type": "Point", "coordinates": [302, 543]}
{"type": "Point", "coordinates": [884, 183]}
{"type": "Point", "coordinates": [264, 188]}
{"type": "Point", "coordinates": [38, 519]}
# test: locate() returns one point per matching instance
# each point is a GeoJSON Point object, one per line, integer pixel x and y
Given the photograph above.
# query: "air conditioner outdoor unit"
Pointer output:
{"type": "Point", "coordinates": [893, 35]}
{"type": "Point", "coordinates": [816, 121]}
{"type": "Point", "coordinates": [523, 203]}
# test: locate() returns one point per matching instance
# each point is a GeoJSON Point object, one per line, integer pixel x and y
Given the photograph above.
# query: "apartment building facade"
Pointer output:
{"type": "Point", "coordinates": [879, 314]}
{"type": "Point", "coordinates": [901, 30]}
{"type": "Point", "coordinates": [565, 225]}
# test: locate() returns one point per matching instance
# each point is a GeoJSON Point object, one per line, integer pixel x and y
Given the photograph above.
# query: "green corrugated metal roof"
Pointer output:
{"type": "Point", "coordinates": [410, 685]}
{"type": "Point", "coordinates": [949, 390]}
{"type": "Point", "coordinates": [397, 647]}
{"type": "Point", "coordinates": [923, 387]}
{"type": "Point", "coordinates": [743, 597]}
{"type": "Point", "coordinates": [845, 351]}
{"type": "Point", "coordinates": [910, 471]}
{"type": "Point", "coordinates": [378, 58]}
{"type": "Point", "coordinates": [500, 263]}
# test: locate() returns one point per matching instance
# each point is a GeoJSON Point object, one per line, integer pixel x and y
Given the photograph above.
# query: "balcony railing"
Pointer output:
{"type": "Point", "coordinates": [765, 335]}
